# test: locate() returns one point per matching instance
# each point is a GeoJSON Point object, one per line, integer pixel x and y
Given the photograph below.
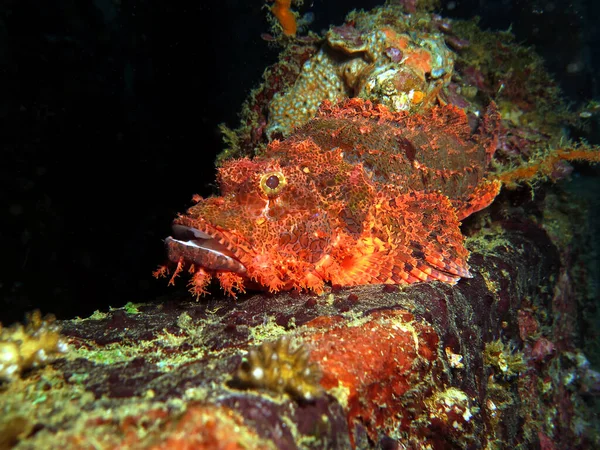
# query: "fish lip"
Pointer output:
{"type": "Point", "coordinates": [207, 248]}
{"type": "Point", "coordinates": [184, 232]}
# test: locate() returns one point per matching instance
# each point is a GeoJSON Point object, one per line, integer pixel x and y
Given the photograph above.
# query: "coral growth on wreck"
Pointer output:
{"type": "Point", "coordinates": [368, 57]}
{"type": "Point", "coordinates": [276, 367]}
{"type": "Point", "coordinates": [506, 361]}
{"type": "Point", "coordinates": [27, 346]}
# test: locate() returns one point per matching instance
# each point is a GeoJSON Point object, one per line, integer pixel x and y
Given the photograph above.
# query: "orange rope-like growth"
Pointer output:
{"type": "Point", "coordinates": [545, 166]}
{"type": "Point", "coordinates": [281, 10]}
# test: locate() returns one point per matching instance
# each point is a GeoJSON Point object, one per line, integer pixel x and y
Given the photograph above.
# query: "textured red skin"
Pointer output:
{"type": "Point", "coordinates": [361, 195]}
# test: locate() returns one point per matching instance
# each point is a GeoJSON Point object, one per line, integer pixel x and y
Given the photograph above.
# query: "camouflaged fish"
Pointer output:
{"type": "Point", "coordinates": [358, 195]}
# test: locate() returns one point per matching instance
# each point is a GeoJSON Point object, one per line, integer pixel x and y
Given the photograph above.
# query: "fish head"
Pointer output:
{"type": "Point", "coordinates": [270, 227]}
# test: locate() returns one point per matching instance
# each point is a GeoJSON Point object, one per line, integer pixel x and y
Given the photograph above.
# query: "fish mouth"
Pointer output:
{"type": "Point", "coordinates": [202, 249]}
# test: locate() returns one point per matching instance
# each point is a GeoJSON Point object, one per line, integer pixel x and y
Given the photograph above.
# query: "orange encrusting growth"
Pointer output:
{"type": "Point", "coordinates": [379, 365]}
{"type": "Point", "coordinates": [281, 10]}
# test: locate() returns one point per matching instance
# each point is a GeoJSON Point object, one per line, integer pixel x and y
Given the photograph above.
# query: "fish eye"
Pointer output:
{"type": "Point", "coordinates": [272, 183]}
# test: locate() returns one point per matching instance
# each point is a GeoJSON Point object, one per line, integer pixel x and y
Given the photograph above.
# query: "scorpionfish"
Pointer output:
{"type": "Point", "coordinates": [358, 195]}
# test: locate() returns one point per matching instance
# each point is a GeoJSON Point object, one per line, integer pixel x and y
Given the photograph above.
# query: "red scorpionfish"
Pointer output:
{"type": "Point", "coordinates": [358, 195]}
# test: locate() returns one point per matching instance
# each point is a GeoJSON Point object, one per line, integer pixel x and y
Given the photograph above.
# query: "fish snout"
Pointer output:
{"type": "Point", "coordinates": [201, 249]}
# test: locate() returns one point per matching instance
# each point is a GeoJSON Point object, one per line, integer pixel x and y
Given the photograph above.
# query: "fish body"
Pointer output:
{"type": "Point", "coordinates": [358, 195]}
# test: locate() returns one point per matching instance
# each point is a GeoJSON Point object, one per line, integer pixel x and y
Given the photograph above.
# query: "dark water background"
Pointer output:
{"type": "Point", "coordinates": [108, 124]}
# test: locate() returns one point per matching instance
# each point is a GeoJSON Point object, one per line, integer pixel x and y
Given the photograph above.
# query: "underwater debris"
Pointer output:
{"type": "Point", "coordinates": [30, 345]}
{"type": "Point", "coordinates": [275, 367]}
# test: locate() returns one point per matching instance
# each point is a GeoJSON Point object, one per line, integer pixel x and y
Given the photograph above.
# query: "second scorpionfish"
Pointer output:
{"type": "Point", "coordinates": [359, 195]}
